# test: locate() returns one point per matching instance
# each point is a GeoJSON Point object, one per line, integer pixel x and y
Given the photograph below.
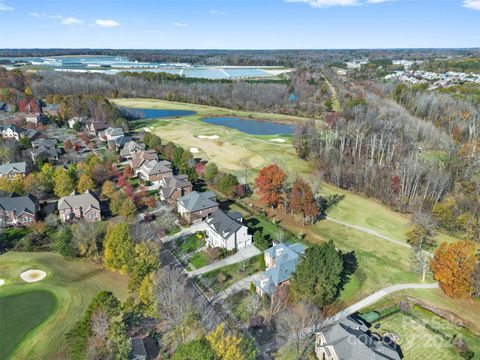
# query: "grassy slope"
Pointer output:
{"type": "Point", "coordinates": [73, 283]}
{"type": "Point", "coordinates": [381, 263]}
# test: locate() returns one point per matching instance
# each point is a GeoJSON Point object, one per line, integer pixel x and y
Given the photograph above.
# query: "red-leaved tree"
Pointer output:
{"type": "Point", "coordinates": [269, 184]}
{"type": "Point", "coordinates": [302, 201]}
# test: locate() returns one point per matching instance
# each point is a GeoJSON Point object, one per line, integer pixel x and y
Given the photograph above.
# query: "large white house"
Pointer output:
{"type": "Point", "coordinates": [226, 230]}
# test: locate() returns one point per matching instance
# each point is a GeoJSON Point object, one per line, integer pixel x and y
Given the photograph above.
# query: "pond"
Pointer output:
{"type": "Point", "coordinates": [253, 127]}
{"type": "Point", "coordinates": [155, 113]}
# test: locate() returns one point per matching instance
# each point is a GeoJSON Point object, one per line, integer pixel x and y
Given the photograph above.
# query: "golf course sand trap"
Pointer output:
{"type": "Point", "coordinates": [194, 150]}
{"type": "Point", "coordinates": [278, 140]}
{"type": "Point", "coordinates": [2, 282]}
{"type": "Point", "coordinates": [33, 275]}
{"type": "Point", "coordinates": [209, 137]}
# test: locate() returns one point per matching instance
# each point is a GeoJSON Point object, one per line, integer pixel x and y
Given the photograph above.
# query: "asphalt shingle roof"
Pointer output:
{"type": "Point", "coordinates": [196, 201]}
{"type": "Point", "coordinates": [17, 167]}
{"type": "Point", "coordinates": [19, 203]}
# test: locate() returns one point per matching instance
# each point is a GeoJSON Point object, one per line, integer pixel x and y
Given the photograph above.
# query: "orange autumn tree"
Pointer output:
{"type": "Point", "coordinates": [302, 201]}
{"type": "Point", "coordinates": [453, 266]}
{"type": "Point", "coordinates": [269, 183]}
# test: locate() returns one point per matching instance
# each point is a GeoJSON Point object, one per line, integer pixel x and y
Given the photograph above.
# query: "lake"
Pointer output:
{"type": "Point", "coordinates": [156, 113]}
{"type": "Point", "coordinates": [253, 127]}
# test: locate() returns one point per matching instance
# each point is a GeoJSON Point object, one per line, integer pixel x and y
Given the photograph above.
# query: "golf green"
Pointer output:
{"type": "Point", "coordinates": [20, 314]}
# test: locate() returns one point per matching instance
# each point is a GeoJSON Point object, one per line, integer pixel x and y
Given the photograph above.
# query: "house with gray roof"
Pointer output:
{"type": "Point", "coordinates": [77, 206]}
{"type": "Point", "coordinates": [13, 169]}
{"type": "Point", "coordinates": [197, 206]}
{"type": "Point", "coordinates": [48, 143]}
{"type": "Point", "coordinates": [281, 261]}
{"type": "Point", "coordinates": [138, 349]}
{"type": "Point", "coordinates": [173, 187]}
{"type": "Point", "coordinates": [45, 153]}
{"type": "Point", "coordinates": [113, 134]}
{"type": "Point", "coordinates": [351, 339]}
{"type": "Point", "coordinates": [18, 210]}
{"type": "Point", "coordinates": [15, 132]}
{"type": "Point", "coordinates": [130, 148]}
{"type": "Point", "coordinates": [155, 171]}
{"type": "Point", "coordinates": [227, 231]}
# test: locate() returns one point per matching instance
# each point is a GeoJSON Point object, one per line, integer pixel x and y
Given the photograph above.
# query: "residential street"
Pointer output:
{"type": "Point", "coordinates": [241, 255]}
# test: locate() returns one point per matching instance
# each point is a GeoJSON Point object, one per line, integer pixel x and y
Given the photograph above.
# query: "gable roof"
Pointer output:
{"type": "Point", "coordinates": [19, 167]}
{"type": "Point", "coordinates": [286, 257]}
{"type": "Point", "coordinates": [154, 167]}
{"type": "Point", "coordinates": [172, 183]}
{"type": "Point", "coordinates": [114, 131]}
{"type": "Point", "coordinates": [140, 156]}
{"type": "Point", "coordinates": [48, 143]}
{"type": "Point", "coordinates": [75, 200]}
{"type": "Point", "coordinates": [130, 147]}
{"type": "Point", "coordinates": [20, 204]}
{"type": "Point", "coordinates": [225, 224]}
{"type": "Point", "coordinates": [196, 201]}
{"type": "Point", "coordinates": [350, 339]}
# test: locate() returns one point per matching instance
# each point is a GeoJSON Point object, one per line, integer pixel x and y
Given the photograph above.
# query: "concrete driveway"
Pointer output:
{"type": "Point", "coordinates": [241, 255]}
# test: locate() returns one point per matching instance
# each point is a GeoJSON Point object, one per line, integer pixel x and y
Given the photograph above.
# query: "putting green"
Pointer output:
{"type": "Point", "coordinates": [20, 314]}
{"type": "Point", "coordinates": [35, 331]}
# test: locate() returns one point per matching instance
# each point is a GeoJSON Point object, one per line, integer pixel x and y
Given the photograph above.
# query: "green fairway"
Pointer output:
{"type": "Point", "coordinates": [21, 313]}
{"type": "Point", "coordinates": [380, 263]}
{"type": "Point", "coordinates": [71, 285]}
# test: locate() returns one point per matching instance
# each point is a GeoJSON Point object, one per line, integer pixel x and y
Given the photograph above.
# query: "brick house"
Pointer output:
{"type": "Point", "coordinates": [18, 210]}
{"type": "Point", "coordinates": [77, 206]}
{"type": "Point", "coordinates": [173, 187]}
{"type": "Point", "coordinates": [197, 206]}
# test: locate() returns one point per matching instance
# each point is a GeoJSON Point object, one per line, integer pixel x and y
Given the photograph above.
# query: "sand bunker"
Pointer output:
{"type": "Point", "coordinates": [2, 282]}
{"type": "Point", "coordinates": [194, 150]}
{"type": "Point", "coordinates": [209, 137]}
{"type": "Point", "coordinates": [146, 129]}
{"type": "Point", "coordinates": [278, 140]}
{"type": "Point", "coordinates": [33, 275]}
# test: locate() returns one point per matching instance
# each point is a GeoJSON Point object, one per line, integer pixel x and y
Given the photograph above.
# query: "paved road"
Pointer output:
{"type": "Point", "coordinates": [241, 255]}
{"type": "Point", "coordinates": [185, 232]}
{"type": "Point", "coordinates": [369, 300]}
{"type": "Point", "coordinates": [240, 285]}
{"type": "Point", "coordinates": [374, 233]}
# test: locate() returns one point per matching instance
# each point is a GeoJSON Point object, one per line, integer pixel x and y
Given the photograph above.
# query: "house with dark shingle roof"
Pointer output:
{"type": "Point", "coordinates": [173, 187]}
{"type": "Point", "coordinates": [281, 261]}
{"type": "Point", "coordinates": [18, 210]}
{"type": "Point", "coordinates": [351, 339]}
{"type": "Point", "coordinates": [138, 349]}
{"type": "Point", "coordinates": [197, 206]}
{"type": "Point", "coordinates": [77, 206]}
{"type": "Point", "coordinates": [227, 231]}
{"type": "Point", "coordinates": [12, 169]}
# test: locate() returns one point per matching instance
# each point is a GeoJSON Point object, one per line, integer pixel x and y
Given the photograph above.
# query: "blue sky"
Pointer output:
{"type": "Point", "coordinates": [239, 24]}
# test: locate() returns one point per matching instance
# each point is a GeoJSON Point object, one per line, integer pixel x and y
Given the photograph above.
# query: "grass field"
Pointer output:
{"type": "Point", "coordinates": [71, 283]}
{"type": "Point", "coordinates": [381, 263]}
{"type": "Point", "coordinates": [416, 341]}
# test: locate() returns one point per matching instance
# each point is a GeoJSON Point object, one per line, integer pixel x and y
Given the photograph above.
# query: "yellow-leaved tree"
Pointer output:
{"type": "Point", "coordinates": [226, 347]}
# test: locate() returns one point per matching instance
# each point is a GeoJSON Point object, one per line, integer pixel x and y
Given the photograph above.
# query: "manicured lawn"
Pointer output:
{"type": "Point", "coordinates": [72, 283]}
{"type": "Point", "coordinates": [199, 259]}
{"type": "Point", "coordinates": [416, 341]}
{"type": "Point", "coordinates": [190, 243]}
{"type": "Point", "coordinates": [21, 313]}
{"type": "Point", "coordinates": [226, 276]}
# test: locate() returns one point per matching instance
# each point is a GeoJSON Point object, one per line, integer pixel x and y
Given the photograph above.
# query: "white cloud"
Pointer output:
{"type": "Point", "coordinates": [327, 3]}
{"type": "Point", "coordinates": [217, 12]}
{"type": "Point", "coordinates": [5, 7]}
{"type": "Point", "coordinates": [37, 15]}
{"type": "Point", "coordinates": [179, 24]}
{"type": "Point", "coordinates": [108, 23]}
{"type": "Point", "coordinates": [55, 16]}
{"type": "Point", "coordinates": [472, 4]}
{"type": "Point", "coordinates": [72, 21]}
